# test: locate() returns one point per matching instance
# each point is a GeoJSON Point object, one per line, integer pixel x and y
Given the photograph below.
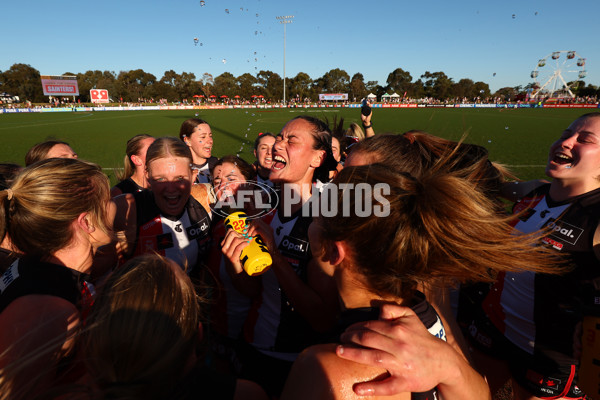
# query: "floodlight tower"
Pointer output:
{"type": "Point", "coordinates": [284, 19]}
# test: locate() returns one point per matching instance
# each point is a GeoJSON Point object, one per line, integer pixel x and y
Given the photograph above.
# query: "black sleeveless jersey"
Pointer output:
{"type": "Point", "coordinates": [539, 312]}
{"type": "Point", "coordinates": [129, 186]}
{"type": "Point", "coordinates": [28, 276]}
{"type": "Point", "coordinates": [424, 311]}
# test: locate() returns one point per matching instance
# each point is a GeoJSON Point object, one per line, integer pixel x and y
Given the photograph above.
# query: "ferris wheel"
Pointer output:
{"type": "Point", "coordinates": [555, 74]}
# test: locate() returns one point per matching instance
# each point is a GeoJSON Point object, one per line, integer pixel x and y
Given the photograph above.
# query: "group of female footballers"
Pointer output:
{"type": "Point", "coordinates": [140, 292]}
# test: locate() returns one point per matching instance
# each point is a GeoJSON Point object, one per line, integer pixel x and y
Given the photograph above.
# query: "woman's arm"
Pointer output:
{"type": "Point", "coordinates": [317, 299]}
{"type": "Point", "coordinates": [37, 331]}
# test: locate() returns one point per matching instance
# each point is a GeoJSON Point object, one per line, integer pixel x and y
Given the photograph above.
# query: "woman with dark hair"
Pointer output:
{"type": "Point", "coordinates": [263, 151]}
{"type": "Point", "coordinates": [296, 301]}
{"type": "Point", "coordinates": [133, 177]}
{"type": "Point", "coordinates": [197, 135]}
{"type": "Point", "coordinates": [56, 214]}
{"type": "Point", "coordinates": [165, 219]}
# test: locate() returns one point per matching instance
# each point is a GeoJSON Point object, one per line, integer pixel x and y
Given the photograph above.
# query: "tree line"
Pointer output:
{"type": "Point", "coordinates": [24, 81]}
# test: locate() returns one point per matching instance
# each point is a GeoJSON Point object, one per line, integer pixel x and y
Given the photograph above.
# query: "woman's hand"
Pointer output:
{"type": "Point", "coordinates": [416, 360]}
{"type": "Point", "coordinates": [232, 246]}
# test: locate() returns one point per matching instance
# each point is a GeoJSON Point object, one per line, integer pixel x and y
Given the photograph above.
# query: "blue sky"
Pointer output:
{"type": "Point", "coordinates": [463, 38]}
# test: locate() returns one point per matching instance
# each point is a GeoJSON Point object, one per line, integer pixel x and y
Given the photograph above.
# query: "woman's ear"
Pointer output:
{"type": "Point", "coordinates": [335, 253]}
{"type": "Point", "coordinates": [84, 222]}
{"type": "Point", "coordinates": [136, 160]}
{"type": "Point", "coordinates": [318, 159]}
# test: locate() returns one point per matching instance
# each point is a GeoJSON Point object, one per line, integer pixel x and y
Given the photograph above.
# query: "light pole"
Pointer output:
{"type": "Point", "coordinates": [284, 19]}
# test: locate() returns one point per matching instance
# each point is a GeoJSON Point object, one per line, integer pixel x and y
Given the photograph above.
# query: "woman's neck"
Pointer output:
{"type": "Point", "coordinates": [198, 160]}
{"type": "Point", "coordinates": [561, 190]}
{"type": "Point", "coordinates": [139, 177]}
{"type": "Point", "coordinates": [354, 292]}
{"type": "Point", "coordinates": [78, 260]}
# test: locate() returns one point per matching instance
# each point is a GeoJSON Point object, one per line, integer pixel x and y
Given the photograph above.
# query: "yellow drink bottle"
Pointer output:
{"type": "Point", "coordinates": [255, 257]}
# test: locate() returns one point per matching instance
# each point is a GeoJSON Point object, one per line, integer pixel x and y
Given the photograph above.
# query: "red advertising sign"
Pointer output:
{"type": "Point", "coordinates": [99, 95]}
{"type": "Point", "coordinates": [60, 85]}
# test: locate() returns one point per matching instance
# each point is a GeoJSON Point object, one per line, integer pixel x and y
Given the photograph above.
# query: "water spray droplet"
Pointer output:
{"type": "Point", "coordinates": [224, 61]}
{"type": "Point", "coordinates": [489, 141]}
{"type": "Point", "coordinates": [506, 127]}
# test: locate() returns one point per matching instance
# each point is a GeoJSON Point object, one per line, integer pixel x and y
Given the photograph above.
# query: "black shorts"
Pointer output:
{"type": "Point", "coordinates": [547, 375]}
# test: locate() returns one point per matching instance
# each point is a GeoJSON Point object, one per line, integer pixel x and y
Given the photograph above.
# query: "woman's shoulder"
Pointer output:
{"type": "Point", "coordinates": [319, 373]}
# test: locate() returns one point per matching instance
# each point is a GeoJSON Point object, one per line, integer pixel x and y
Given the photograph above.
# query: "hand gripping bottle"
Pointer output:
{"type": "Point", "coordinates": [255, 257]}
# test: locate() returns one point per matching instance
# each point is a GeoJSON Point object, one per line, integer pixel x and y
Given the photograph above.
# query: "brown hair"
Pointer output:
{"type": "Point", "coordinates": [188, 126]}
{"type": "Point", "coordinates": [167, 146]}
{"type": "Point", "coordinates": [40, 151]}
{"type": "Point", "coordinates": [440, 230]}
{"type": "Point", "coordinates": [134, 146]}
{"type": "Point", "coordinates": [46, 197]}
{"type": "Point", "coordinates": [143, 329]}
{"type": "Point", "coordinates": [416, 152]}
{"type": "Point", "coordinates": [246, 169]}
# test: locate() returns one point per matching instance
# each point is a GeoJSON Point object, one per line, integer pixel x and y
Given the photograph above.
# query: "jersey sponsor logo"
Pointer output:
{"type": "Point", "coordinates": [9, 276]}
{"type": "Point", "coordinates": [151, 224]}
{"type": "Point", "coordinates": [553, 243]}
{"type": "Point", "coordinates": [294, 245]}
{"type": "Point", "coordinates": [164, 241]}
{"type": "Point", "coordinates": [197, 230]}
{"type": "Point", "coordinates": [564, 232]}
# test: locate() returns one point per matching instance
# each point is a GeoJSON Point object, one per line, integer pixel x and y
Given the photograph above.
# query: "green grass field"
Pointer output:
{"type": "Point", "coordinates": [519, 138]}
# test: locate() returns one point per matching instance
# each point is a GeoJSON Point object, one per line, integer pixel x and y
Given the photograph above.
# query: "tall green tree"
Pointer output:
{"type": "Point", "coordinates": [134, 84]}
{"type": "Point", "coordinates": [300, 85]}
{"type": "Point", "coordinates": [184, 85]}
{"type": "Point", "coordinates": [335, 81]}
{"type": "Point", "coordinates": [399, 81]}
{"type": "Point", "coordinates": [437, 85]}
{"type": "Point", "coordinates": [358, 89]}
{"type": "Point", "coordinates": [271, 85]}
{"type": "Point", "coordinates": [225, 84]}
{"type": "Point", "coordinates": [247, 85]}
{"type": "Point", "coordinates": [24, 81]}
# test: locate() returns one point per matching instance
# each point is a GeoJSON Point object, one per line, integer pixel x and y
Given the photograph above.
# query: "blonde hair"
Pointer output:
{"type": "Point", "coordinates": [355, 131]}
{"type": "Point", "coordinates": [143, 329]}
{"type": "Point", "coordinates": [167, 146]}
{"type": "Point", "coordinates": [134, 146]}
{"type": "Point", "coordinates": [46, 197]}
